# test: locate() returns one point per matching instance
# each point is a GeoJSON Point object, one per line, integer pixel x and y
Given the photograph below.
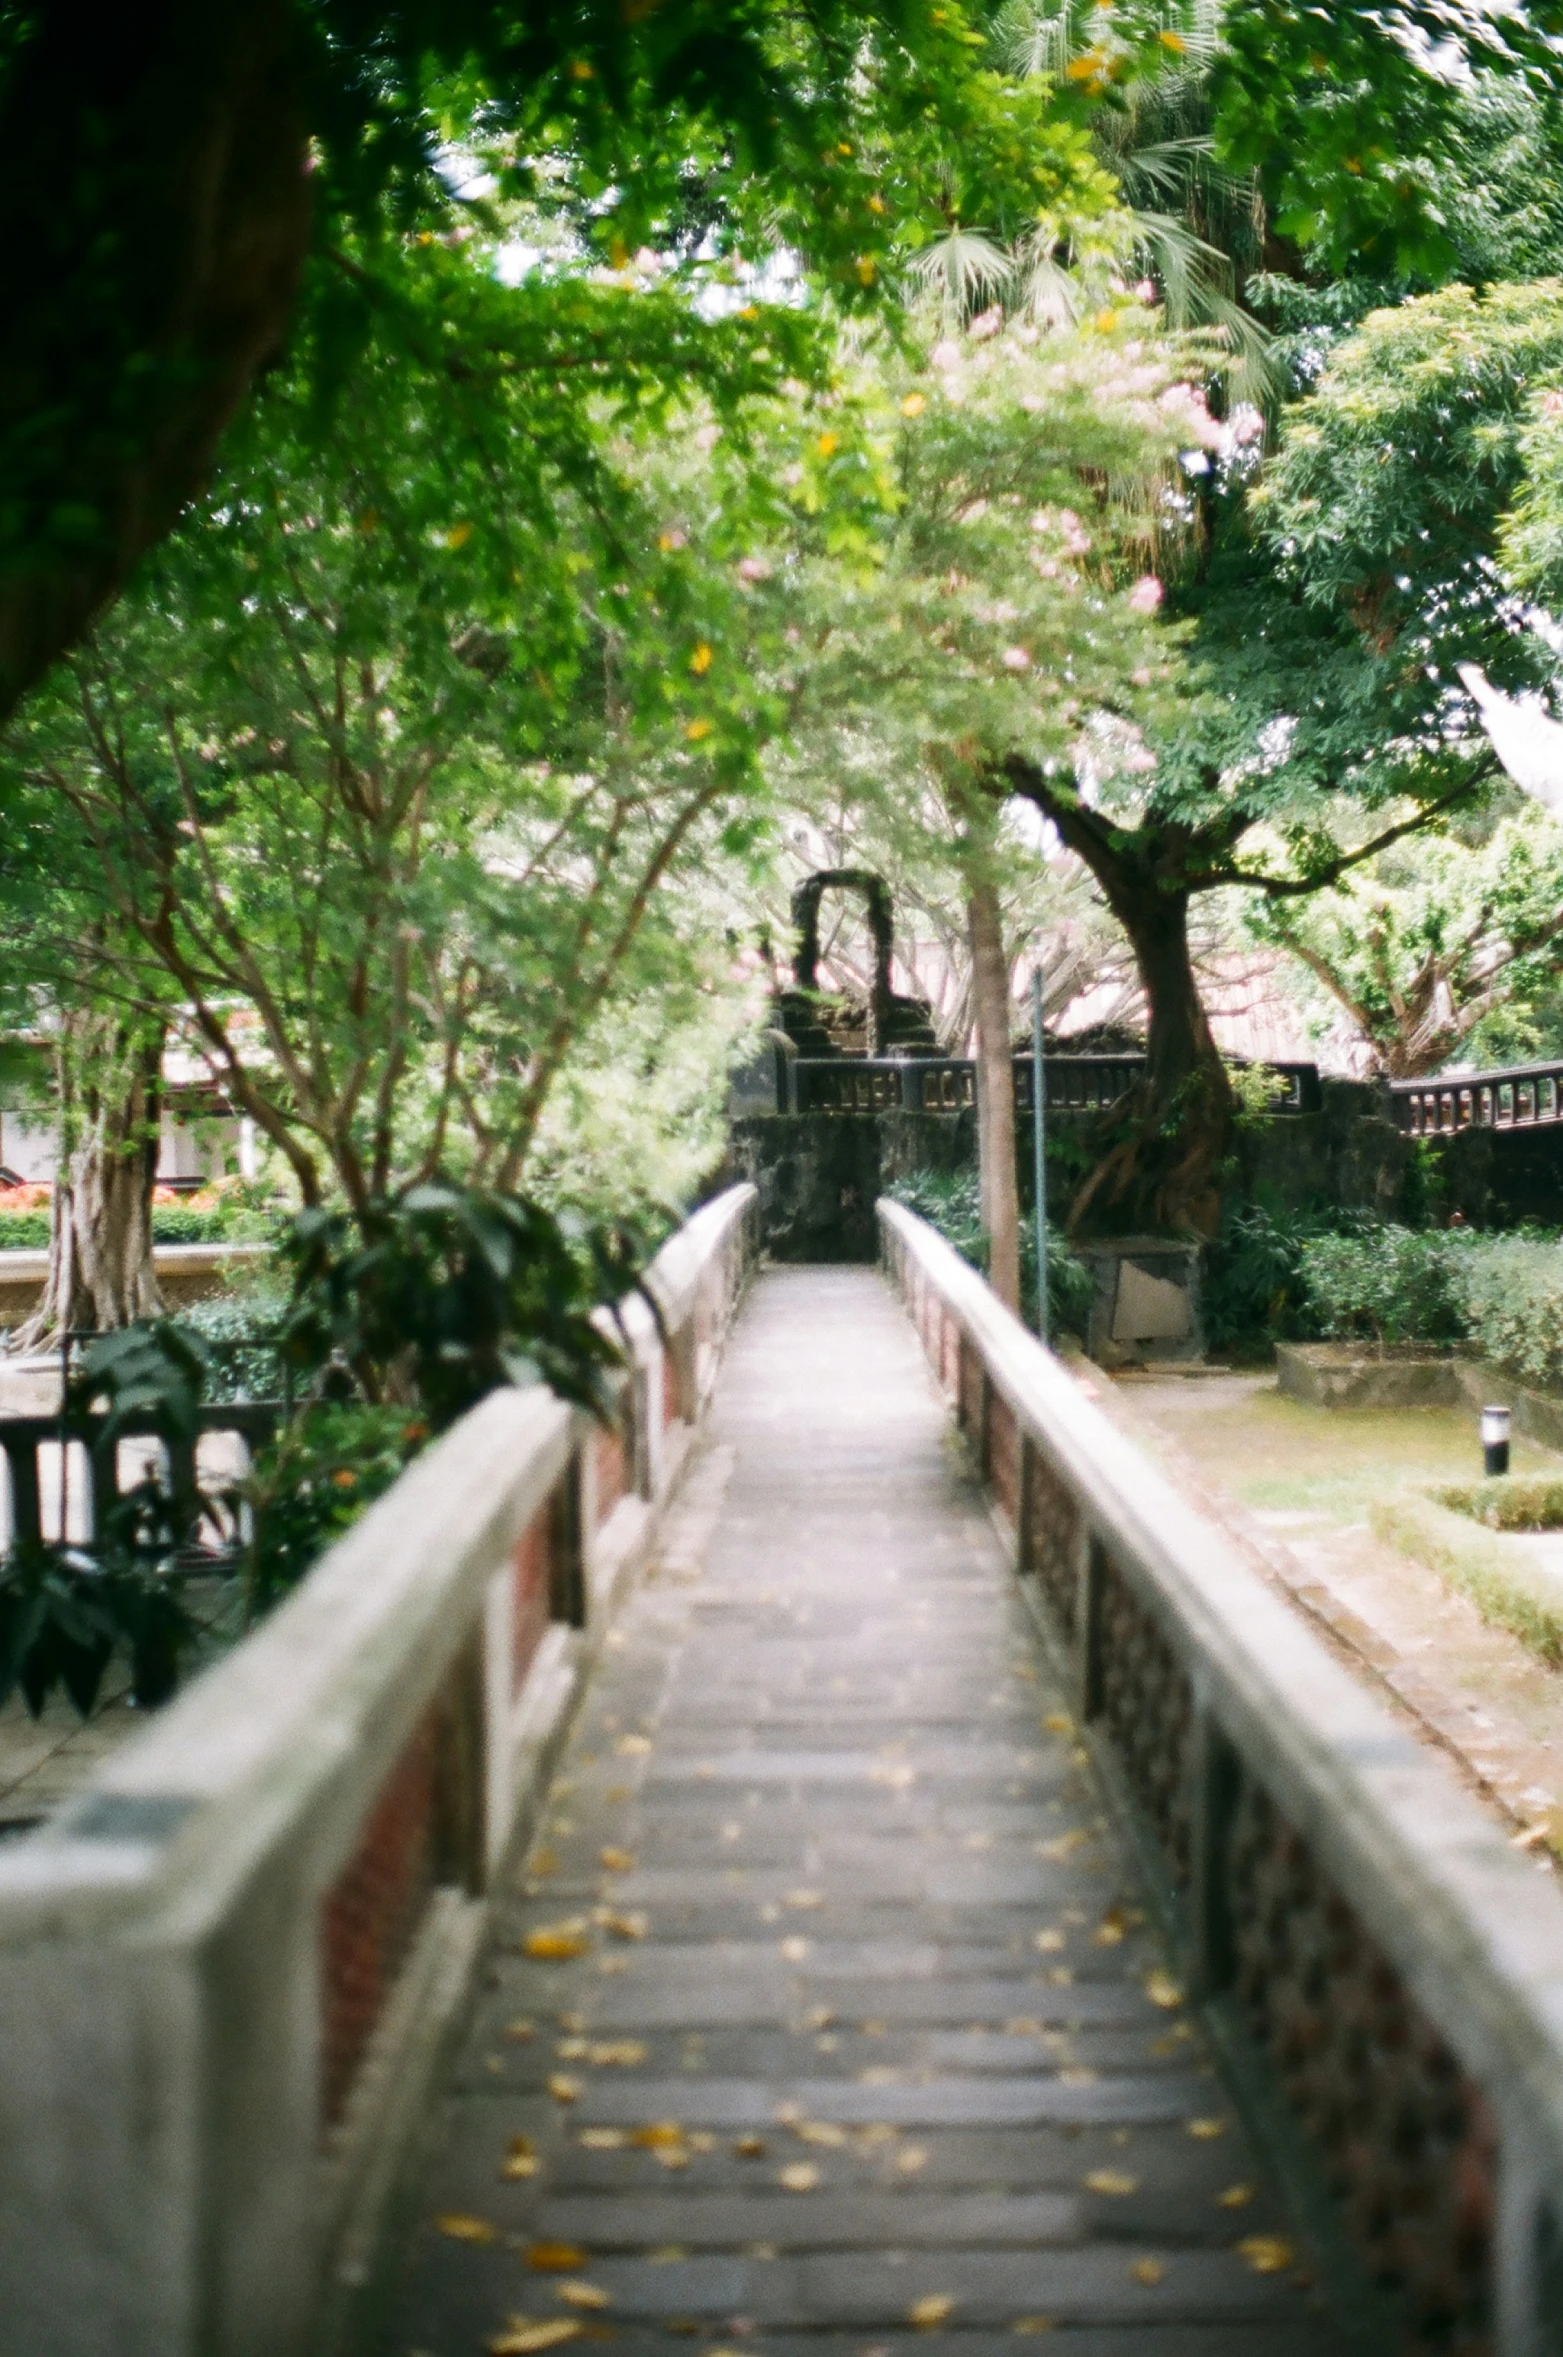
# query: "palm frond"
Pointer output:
{"type": "Point", "coordinates": [963, 269]}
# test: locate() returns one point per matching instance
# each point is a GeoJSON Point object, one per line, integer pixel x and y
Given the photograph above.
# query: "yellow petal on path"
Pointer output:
{"type": "Point", "coordinates": [820, 2132]}
{"type": "Point", "coordinates": [1163, 1990]}
{"type": "Point", "coordinates": [910, 2159]}
{"type": "Point", "coordinates": [462, 2228]}
{"type": "Point", "coordinates": [518, 2031]}
{"type": "Point", "coordinates": [749, 2148]}
{"type": "Point", "coordinates": [555, 1944]}
{"type": "Point", "coordinates": [617, 1861]}
{"type": "Point", "coordinates": [563, 2088]}
{"type": "Point", "coordinates": [795, 1950]}
{"type": "Point", "coordinates": [928, 2314]}
{"type": "Point", "coordinates": [658, 2136]}
{"type": "Point", "coordinates": [672, 2157]}
{"type": "Point", "coordinates": [556, 2258]}
{"type": "Point", "coordinates": [571, 2049]}
{"type": "Point", "coordinates": [1267, 2254]}
{"type": "Point", "coordinates": [1110, 1930]}
{"type": "Point", "coordinates": [798, 2177]}
{"type": "Point", "coordinates": [1111, 2181]}
{"type": "Point", "coordinates": [520, 2158]}
{"type": "Point", "coordinates": [603, 2139]}
{"type": "Point", "coordinates": [576, 2294]}
{"type": "Point", "coordinates": [1051, 1941]}
{"type": "Point", "coordinates": [632, 1747]}
{"type": "Point", "coordinates": [544, 1862]}
{"type": "Point", "coordinates": [1236, 2197]}
{"type": "Point", "coordinates": [1058, 1722]}
{"type": "Point", "coordinates": [1205, 2129]}
{"type": "Point", "coordinates": [626, 2051]}
{"type": "Point", "coordinates": [521, 2336]}
{"type": "Point", "coordinates": [1147, 2270]}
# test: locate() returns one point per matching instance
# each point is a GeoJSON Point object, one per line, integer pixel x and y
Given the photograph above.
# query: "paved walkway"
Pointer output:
{"type": "Point", "coordinates": [852, 2044]}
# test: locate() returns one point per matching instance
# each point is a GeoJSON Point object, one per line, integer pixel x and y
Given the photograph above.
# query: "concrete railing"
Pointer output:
{"type": "Point", "coordinates": [1381, 1968]}
{"type": "Point", "coordinates": [227, 1966]}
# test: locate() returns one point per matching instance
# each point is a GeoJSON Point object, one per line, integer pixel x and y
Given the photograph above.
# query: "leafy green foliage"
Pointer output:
{"type": "Point", "coordinates": [1253, 1289]}
{"type": "Point", "coordinates": [948, 1201]}
{"type": "Point", "coordinates": [1390, 1285]}
{"type": "Point", "coordinates": [445, 1293]}
{"type": "Point", "coordinates": [311, 1483]}
{"type": "Point", "coordinates": [1525, 1501]}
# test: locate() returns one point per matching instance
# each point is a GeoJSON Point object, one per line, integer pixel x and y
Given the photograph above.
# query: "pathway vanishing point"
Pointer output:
{"type": "Point", "coordinates": [855, 2039]}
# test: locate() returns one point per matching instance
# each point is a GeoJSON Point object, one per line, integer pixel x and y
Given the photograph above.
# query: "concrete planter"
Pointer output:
{"type": "Point", "coordinates": [1352, 1375]}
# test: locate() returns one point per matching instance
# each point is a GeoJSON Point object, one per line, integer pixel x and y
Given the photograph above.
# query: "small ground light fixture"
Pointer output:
{"type": "Point", "coordinates": [1495, 1440]}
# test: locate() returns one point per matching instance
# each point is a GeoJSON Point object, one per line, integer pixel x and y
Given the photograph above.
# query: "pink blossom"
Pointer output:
{"type": "Point", "coordinates": [1016, 659]}
{"type": "Point", "coordinates": [1146, 595]}
{"type": "Point", "coordinates": [986, 323]}
{"type": "Point", "coordinates": [753, 569]}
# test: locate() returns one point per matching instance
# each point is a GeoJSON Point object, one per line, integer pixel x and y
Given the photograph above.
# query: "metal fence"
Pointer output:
{"type": "Point", "coordinates": [1381, 1969]}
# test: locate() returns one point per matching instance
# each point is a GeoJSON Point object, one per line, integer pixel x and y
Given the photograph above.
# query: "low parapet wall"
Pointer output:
{"type": "Point", "coordinates": [225, 1967]}
{"type": "Point", "coordinates": [1383, 1971]}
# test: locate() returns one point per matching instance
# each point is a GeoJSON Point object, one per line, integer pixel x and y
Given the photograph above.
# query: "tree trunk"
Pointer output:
{"type": "Point", "coordinates": [1166, 1141]}
{"type": "Point", "coordinates": [155, 217]}
{"type": "Point", "coordinates": [995, 1091]}
{"type": "Point", "coordinates": [100, 1235]}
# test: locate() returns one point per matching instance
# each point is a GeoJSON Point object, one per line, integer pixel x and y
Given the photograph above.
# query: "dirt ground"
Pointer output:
{"type": "Point", "coordinates": [1295, 1483]}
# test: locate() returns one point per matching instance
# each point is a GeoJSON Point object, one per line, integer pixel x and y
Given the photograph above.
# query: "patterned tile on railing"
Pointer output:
{"type": "Point", "coordinates": [1053, 1533]}
{"type": "Point", "coordinates": [1408, 2144]}
{"type": "Point", "coordinates": [1147, 1706]}
{"type": "Point", "coordinates": [531, 1589]}
{"type": "Point", "coordinates": [371, 1915]}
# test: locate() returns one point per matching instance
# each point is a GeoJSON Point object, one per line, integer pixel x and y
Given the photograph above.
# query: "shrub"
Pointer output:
{"type": "Point", "coordinates": [1513, 1303]}
{"type": "Point", "coordinates": [949, 1201]}
{"type": "Point", "coordinates": [1253, 1288]}
{"type": "Point", "coordinates": [1389, 1284]}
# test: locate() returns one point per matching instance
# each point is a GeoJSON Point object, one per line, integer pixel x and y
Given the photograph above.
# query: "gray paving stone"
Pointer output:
{"type": "Point", "coordinates": [852, 1824]}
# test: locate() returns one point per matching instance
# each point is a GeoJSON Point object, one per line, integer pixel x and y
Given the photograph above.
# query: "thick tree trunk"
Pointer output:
{"type": "Point", "coordinates": [100, 1239]}
{"type": "Point", "coordinates": [1162, 1168]}
{"type": "Point", "coordinates": [154, 217]}
{"type": "Point", "coordinates": [995, 1091]}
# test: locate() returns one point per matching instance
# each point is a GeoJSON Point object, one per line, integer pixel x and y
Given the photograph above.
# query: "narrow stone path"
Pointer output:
{"type": "Point", "coordinates": [841, 2029]}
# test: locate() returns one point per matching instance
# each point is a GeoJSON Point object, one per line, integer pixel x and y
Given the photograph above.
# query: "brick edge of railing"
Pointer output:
{"type": "Point", "coordinates": [229, 1967]}
{"type": "Point", "coordinates": [1458, 1939]}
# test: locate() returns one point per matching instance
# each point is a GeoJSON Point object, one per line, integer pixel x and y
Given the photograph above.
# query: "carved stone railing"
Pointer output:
{"type": "Point", "coordinates": [1381, 1969]}
{"type": "Point", "coordinates": [226, 1965]}
{"type": "Point", "coordinates": [1519, 1096]}
{"type": "Point", "coordinates": [947, 1084]}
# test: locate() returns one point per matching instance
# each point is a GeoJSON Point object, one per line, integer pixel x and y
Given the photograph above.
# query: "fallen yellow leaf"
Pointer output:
{"type": "Point", "coordinates": [1163, 1990]}
{"type": "Point", "coordinates": [1236, 2197]}
{"type": "Point", "coordinates": [1267, 2254]}
{"type": "Point", "coordinates": [520, 2158]}
{"type": "Point", "coordinates": [617, 1861]}
{"type": "Point", "coordinates": [700, 660]}
{"type": "Point", "coordinates": [911, 2158]}
{"type": "Point", "coordinates": [799, 2177]}
{"type": "Point", "coordinates": [820, 2132]}
{"type": "Point", "coordinates": [603, 2139]}
{"type": "Point", "coordinates": [1205, 2129]}
{"type": "Point", "coordinates": [576, 2294]}
{"type": "Point", "coordinates": [555, 1944]}
{"type": "Point", "coordinates": [556, 2258]}
{"type": "Point", "coordinates": [928, 2314]}
{"type": "Point", "coordinates": [626, 2051]}
{"type": "Point", "coordinates": [1050, 1942]}
{"type": "Point", "coordinates": [633, 1747]}
{"type": "Point", "coordinates": [1147, 2270]}
{"type": "Point", "coordinates": [520, 2337]}
{"type": "Point", "coordinates": [1110, 1930]}
{"type": "Point", "coordinates": [749, 2148]}
{"type": "Point", "coordinates": [461, 2228]}
{"type": "Point", "coordinates": [571, 2049]}
{"type": "Point", "coordinates": [659, 2136]}
{"type": "Point", "coordinates": [563, 2088]}
{"type": "Point", "coordinates": [518, 2031]}
{"type": "Point", "coordinates": [1111, 2181]}
{"type": "Point", "coordinates": [672, 2156]}
{"type": "Point", "coordinates": [625, 1927]}
{"type": "Point", "coordinates": [795, 1950]}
